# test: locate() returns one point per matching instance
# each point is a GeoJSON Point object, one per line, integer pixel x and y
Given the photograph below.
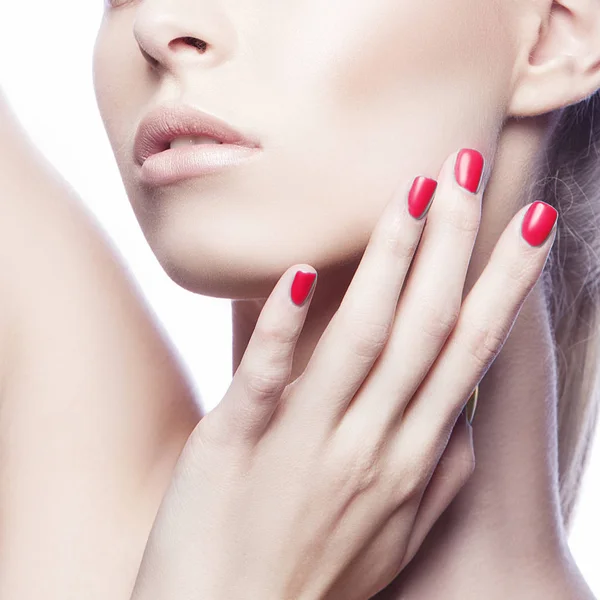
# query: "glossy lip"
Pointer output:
{"type": "Point", "coordinates": [165, 123]}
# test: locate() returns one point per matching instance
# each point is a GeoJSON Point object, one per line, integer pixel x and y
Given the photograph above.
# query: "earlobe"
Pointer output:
{"type": "Point", "coordinates": [562, 66]}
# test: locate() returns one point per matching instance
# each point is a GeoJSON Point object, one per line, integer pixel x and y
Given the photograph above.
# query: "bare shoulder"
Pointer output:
{"type": "Point", "coordinates": [94, 405]}
{"type": "Point", "coordinates": [65, 285]}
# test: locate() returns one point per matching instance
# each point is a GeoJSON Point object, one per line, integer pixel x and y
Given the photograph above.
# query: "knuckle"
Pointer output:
{"type": "Point", "coordinates": [431, 450]}
{"type": "Point", "coordinates": [410, 470]}
{"type": "Point", "coordinates": [463, 217]}
{"type": "Point", "coordinates": [357, 466]}
{"type": "Point", "coordinates": [485, 340]}
{"type": "Point", "coordinates": [367, 338]}
{"type": "Point", "coordinates": [412, 478]}
{"type": "Point", "coordinates": [439, 318]}
{"type": "Point", "coordinates": [275, 331]}
{"type": "Point", "coordinates": [521, 272]}
{"type": "Point", "coordinates": [366, 467]}
{"type": "Point", "coordinates": [399, 243]}
{"type": "Point", "coordinates": [264, 384]}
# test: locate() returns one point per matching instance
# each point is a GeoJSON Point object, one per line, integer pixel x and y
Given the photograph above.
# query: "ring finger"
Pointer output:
{"type": "Point", "coordinates": [430, 303]}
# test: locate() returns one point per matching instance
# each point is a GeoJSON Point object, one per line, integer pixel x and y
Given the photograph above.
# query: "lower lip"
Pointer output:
{"type": "Point", "coordinates": [195, 160]}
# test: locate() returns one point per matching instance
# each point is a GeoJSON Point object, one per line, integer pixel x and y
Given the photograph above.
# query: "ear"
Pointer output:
{"type": "Point", "coordinates": [562, 66]}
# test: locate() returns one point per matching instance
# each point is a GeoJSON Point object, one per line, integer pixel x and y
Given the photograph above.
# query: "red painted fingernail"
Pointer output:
{"type": "Point", "coordinates": [301, 286]}
{"type": "Point", "coordinates": [538, 223]}
{"type": "Point", "coordinates": [420, 196]}
{"type": "Point", "coordinates": [468, 169]}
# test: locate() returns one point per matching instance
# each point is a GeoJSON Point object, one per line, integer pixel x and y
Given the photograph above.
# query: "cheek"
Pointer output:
{"type": "Point", "coordinates": [379, 96]}
{"type": "Point", "coordinates": [103, 63]}
{"type": "Point", "coordinates": [393, 87]}
{"type": "Point", "coordinates": [119, 87]}
{"type": "Point", "coordinates": [348, 96]}
{"type": "Point", "coordinates": [369, 57]}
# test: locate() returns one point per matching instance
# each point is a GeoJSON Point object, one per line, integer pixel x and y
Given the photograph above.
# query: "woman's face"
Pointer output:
{"type": "Point", "coordinates": [348, 99]}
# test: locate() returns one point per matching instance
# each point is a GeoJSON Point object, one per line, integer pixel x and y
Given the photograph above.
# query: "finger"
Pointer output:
{"type": "Point", "coordinates": [390, 550]}
{"type": "Point", "coordinates": [357, 333]}
{"type": "Point", "coordinates": [266, 366]}
{"type": "Point", "coordinates": [487, 317]}
{"type": "Point", "coordinates": [430, 303]}
{"type": "Point", "coordinates": [452, 471]}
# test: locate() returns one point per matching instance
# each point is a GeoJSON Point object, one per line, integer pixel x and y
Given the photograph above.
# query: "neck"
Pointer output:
{"type": "Point", "coordinates": [503, 532]}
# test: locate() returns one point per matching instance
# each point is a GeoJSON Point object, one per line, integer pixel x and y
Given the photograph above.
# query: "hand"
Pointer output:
{"type": "Point", "coordinates": [327, 486]}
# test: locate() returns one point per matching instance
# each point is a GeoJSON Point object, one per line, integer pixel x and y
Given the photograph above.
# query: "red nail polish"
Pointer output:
{"type": "Point", "coordinates": [301, 286]}
{"type": "Point", "coordinates": [538, 223]}
{"type": "Point", "coordinates": [468, 169]}
{"type": "Point", "coordinates": [420, 196]}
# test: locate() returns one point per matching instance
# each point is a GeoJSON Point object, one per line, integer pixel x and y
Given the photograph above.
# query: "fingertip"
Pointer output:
{"type": "Point", "coordinates": [303, 283]}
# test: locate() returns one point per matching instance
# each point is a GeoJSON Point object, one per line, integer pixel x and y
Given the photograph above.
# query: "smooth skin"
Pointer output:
{"type": "Point", "coordinates": [103, 408]}
{"type": "Point", "coordinates": [360, 465]}
{"type": "Point", "coordinates": [94, 407]}
{"type": "Point", "coordinates": [349, 97]}
{"type": "Point", "coordinates": [502, 536]}
{"type": "Point", "coordinates": [325, 487]}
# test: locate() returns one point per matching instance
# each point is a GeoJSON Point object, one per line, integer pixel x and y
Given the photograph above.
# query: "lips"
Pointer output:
{"type": "Point", "coordinates": [162, 125]}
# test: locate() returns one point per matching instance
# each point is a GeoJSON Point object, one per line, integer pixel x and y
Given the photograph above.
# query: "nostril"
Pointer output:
{"type": "Point", "coordinates": [192, 41]}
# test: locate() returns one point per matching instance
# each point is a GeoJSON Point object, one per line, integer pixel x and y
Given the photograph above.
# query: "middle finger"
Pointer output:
{"type": "Point", "coordinates": [357, 333]}
{"type": "Point", "coordinates": [430, 302]}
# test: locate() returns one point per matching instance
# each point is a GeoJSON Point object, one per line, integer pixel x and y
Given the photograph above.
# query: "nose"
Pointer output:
{"type": "Point", "coordinates": [176, 34]}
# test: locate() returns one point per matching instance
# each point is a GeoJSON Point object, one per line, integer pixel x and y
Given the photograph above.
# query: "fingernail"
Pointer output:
{"type": "Point", "coordinates": [472, 405]}
{"type": "Point", "coordinates": [420, 196]}
{"type": "Point", "coordinates": [468, 169]}
{"type": "Point", "coordinates": [538, 222]}
{"type": "Point", "coordinates": [302, 285]}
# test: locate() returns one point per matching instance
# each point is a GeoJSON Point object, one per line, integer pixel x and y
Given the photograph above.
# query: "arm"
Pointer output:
{"type": "Point", "coordinates": [94, 408]}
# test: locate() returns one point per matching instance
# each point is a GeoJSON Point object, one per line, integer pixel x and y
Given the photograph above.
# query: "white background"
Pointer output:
{"type": "Point", "coordinates": [46, 73]}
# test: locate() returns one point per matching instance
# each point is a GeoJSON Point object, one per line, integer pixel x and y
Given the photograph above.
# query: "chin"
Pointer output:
{"type": "Point", "coordinates": [208, 261]}
{"type": "Point", "coordinates": [209, 279]}
{"type": "Point", "coordinates": [234, 237]}
{"type": "Point", "coordinates": [221, 269]}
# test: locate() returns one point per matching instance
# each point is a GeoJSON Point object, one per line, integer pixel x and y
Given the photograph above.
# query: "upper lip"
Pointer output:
{"type": "Point", "coordinates": [163, 124]}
